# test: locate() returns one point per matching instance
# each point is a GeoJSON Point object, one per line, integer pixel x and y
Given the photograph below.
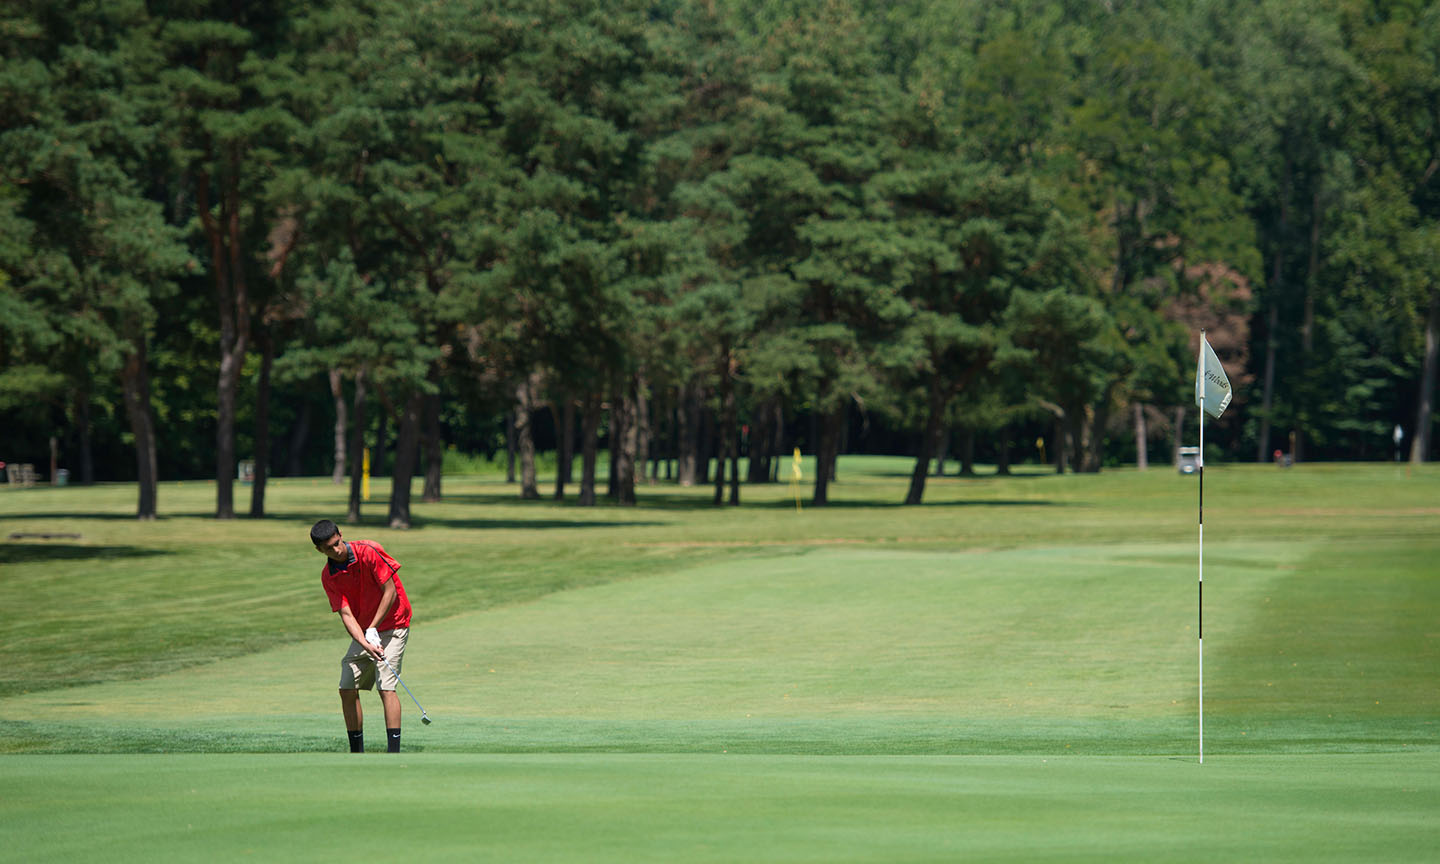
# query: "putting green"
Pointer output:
{"type": "Point", "coordinates": [663, 808]}
{"type": "Point", "coordinates": [1052, 650]}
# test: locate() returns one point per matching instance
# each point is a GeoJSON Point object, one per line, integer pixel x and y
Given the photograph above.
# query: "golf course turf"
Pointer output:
{"type": "Point", "coordinates": [1005, 673]}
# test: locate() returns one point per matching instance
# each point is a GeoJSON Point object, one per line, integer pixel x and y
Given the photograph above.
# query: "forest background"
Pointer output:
{"type": "Point", "coordinates": [284, 234]}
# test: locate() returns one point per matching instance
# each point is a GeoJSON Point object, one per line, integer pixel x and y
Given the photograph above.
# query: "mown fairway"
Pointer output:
{"type": "Point", "coordinates": [1006, 673]}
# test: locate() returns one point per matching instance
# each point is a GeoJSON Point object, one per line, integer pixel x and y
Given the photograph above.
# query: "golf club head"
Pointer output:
{"type": "Point", "coordinates": [424, 718]}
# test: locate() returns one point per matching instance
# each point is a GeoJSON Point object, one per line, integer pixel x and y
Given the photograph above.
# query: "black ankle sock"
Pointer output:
{"type": "Point", "coordinates": [392, 740]}
{"type": "Point", "coordinates": [357, 741]}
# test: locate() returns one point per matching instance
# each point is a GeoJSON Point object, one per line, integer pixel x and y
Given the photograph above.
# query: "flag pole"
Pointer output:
{"type": "Point", "coordinates": [1209, 377]}
{"type": "Point", "coordinates": [1200, 584]}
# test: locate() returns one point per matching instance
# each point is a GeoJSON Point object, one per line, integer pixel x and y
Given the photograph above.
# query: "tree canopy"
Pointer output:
{"type": "Point", "coordinates": [692, 231]}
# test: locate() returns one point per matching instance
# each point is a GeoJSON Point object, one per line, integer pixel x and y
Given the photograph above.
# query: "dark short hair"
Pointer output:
{"type": "Point", "coordinates": [323, 530]}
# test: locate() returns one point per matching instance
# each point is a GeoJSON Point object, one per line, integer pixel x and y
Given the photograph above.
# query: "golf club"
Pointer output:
{"type": "Point", "coordinates": [424, 718]}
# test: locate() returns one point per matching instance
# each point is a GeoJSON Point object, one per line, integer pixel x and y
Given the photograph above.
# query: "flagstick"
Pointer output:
{"type": "Point", "coordinates": [1209, 373]}
{"type": "Point", "coordinates": [1200, 598]}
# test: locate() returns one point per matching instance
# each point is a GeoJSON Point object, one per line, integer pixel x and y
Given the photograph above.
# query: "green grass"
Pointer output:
{"type": "Point", "coordinates": [609, 808]}
{"type": "Point", "coordinates": [1005, 673]}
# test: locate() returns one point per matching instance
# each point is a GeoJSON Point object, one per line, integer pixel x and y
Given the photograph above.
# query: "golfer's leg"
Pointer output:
{"type": "Point", "coordinates": [391, 703]}
{"type": "Point", "coordinates": [354, 719]}
{"type": "Point", "coordinates": [392, 708]}
{"type": "Point", "coordinates": [350, 707]}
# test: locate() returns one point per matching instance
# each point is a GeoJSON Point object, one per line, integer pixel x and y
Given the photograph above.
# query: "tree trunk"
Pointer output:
{"type": "Point", "coordinates": [590, 422]}
{"type": "Point", "coordinates": [1307, 321]}
{"type": "Point", "coordinates": [511, 421]}
{"type": "Point", "coordinates": [1002, 457]}
{"type": "Point", "coordinates": [136, 381]}
{"type": "Point", "coordinates": [718, 481]}
{"type": "Point", "coordinates": [566, 441]}
{"type": "Point", "coordinates": [1420, 437]}
{"type": "Point", "coordinates": [825, 457]}
{"type": "Point", "coordinates": [1060, 444]}
{"type": "Point", "coordinates": [407, 453]}
{"type": "Point", "coordinates": [434, 447]}
{"type": "Point", "coordinates": [1142, 439]}
{"type": "Point", "coordinates": [262, 426]}
{"type": "Point", "coordinates": [929, 440]}
{"type": "Point", "coordinates": [379, 451]}
{"type": "Point", "coordinates": [1267, 399]}
{"type": "Point", "coordinates": [967, 452]}
{"type": "Point", "coordinates": [754, 444]}
{"type": "Point", "coordinates": [618, 421]}
{"type": "Point", "coordinates": [732, 426]}
{"type": "Point", "coordinates": [627, 444]}
{"type": "Point", "coordinates": [299, 434]}
{"type": "Point", "coordinates": [525, 395]}
{"type": "Point", "coordinates": [735, 473]}
{"type": "Point", "coordinates": [672, 454]}
{"type": "Point", "coordinates": [726, 424]}
{"type": "Point", "coordinates": [942, 449]}
{"type": "Point", "coordinates": [233, 303]}
{"type": "Point", "coordinates": [643, 431]}
{"type": "Point", "coordinates": [1312, 276]}
{"type": "Point", "coordinates": [760, 441]}
{"type": "Point", "coordinates": [706, 448]}
{"type": "Point", "coordinates": [1277, 278]}
{"type": "Point", "coordinates": [778, 447]}
{"type": "Point", "coordinates": [337, 393]}
{"type": "Point", "coordinates": [1098, 421]}
{"type": "Point", "coordinates": [688, 419]}
{"type": "Point", "coordinates": [357, 448]}
{"type": "Point", "coordinates": [87, 452]}
{"type": "Point", "coordinates": [1081, 428]}
{"type": "Point", "coordinates": [661, 434]}
{"type": "Point", "coordinates": [225, 434]}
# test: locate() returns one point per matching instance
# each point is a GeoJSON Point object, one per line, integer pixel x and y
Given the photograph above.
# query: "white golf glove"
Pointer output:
{"type": "Point", "coordinates": [373, 637]}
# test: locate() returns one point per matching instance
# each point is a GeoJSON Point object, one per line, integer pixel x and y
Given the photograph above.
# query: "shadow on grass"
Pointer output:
{"type": "Point", "coordinates": [649, 498]}
{"type": "Point", "coordinates": [30, 552]}
{"type": "Point", "coordinates": [379, 518]}
{"type": "Point", "coordinates": [987, 475]}
{"type": "Point", "coordinates": [544, 521]}
{"type": "Point", "coordinates": [652, 498]}
{"type": "Point", "coordinates": [520, 524]}
{"type": "Point", "coordinates": [844, 505]}
{"type": "Point", "coordinates": [36, 515]}
{"type": "Point", "coordinates": [664, 501]}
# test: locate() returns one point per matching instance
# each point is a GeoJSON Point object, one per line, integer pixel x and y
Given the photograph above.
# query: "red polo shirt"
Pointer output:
{"type": "Point", "coordinates": [359, 583]}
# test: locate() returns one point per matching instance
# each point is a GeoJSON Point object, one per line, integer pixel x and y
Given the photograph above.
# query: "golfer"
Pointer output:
{"type": "Point", "coordinates": [363, 584]}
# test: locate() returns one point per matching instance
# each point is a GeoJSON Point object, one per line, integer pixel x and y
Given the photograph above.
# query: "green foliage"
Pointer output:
{"type": "Point", "coordinates": [87, 256]}
{"type": "Point", "coordinates": [828, 203]}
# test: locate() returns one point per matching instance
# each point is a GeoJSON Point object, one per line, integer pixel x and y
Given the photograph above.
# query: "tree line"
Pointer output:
{"type": "Point", "coordinates": [683, 229]}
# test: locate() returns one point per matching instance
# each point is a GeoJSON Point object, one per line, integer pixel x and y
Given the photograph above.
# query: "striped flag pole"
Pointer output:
{"type": "Point", "coordinates": [1200, 597]}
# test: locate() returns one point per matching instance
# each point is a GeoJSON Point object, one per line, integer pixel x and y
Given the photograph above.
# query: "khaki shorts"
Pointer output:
{"type": "Point", "coordinates": [358, 670]}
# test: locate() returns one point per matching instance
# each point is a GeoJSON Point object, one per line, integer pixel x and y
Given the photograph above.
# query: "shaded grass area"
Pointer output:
{"type": "Point", "coordinates": [626, 808]}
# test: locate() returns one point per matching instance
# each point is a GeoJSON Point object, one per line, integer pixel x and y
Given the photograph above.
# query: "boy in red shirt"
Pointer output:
{"type": "Point", "coordinates": [363, 584]}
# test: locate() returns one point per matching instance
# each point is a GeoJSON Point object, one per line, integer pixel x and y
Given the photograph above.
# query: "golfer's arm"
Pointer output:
{"type": "Point", "coordinates": [387, 599]}
{"type": "Point", "coordinates": [351, 625]}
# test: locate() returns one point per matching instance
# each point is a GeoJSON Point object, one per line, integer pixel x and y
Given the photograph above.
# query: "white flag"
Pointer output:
{"type": "Point", "coordinates": [1212, 388]}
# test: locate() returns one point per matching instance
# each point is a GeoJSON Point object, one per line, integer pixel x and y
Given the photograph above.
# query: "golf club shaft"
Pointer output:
{"type": "Point", "coordinates": [402, 684]}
